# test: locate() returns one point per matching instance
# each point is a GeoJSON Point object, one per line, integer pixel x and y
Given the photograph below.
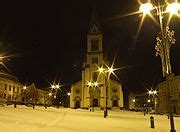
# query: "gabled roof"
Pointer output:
{"type": "Point", "coordinates": [5, 74]}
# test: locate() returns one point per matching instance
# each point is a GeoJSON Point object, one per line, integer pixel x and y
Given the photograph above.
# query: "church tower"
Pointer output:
{"type": "Point", "coordinates": [85, 96]}
{"type": "Point", "coordinates": [94, 59]}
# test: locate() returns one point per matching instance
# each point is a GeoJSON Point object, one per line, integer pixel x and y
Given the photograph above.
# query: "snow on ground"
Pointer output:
{"type": "Point", "coordinates": [26, 119]}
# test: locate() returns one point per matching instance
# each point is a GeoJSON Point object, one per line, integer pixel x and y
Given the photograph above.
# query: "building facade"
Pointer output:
{"type": "Point", "coordinates": [85, 96]}
{"type": "Point", "coordinates": [10, 88]}
{"type": "Point", "coordinates": [142, 101]}
{"type": "Point", "coordinates": [174, 89]}
{"type": "Point", "coordinates": [32, 95]}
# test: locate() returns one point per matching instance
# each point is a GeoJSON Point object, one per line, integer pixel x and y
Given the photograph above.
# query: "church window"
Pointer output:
{"type": "Point", "coordinates": [94, 44]}
{"type": "Point", "coordinates": [95, 76]}
{"type": "Point", "coordinates": [77, 91]}
{"type": "Point", "coordinates": [114, 90]}
{"type": "Point", "coordinates": [95, 60]}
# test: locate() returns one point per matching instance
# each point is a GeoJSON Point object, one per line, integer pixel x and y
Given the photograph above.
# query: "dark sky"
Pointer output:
{"type": "Point", "coordinates": [49, 40]}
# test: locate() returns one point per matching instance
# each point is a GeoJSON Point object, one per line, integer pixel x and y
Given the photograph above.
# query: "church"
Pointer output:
{"type": "Point", "coordinates": [95, 89]}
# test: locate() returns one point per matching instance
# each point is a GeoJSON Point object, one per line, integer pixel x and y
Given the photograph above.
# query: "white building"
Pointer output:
{"type": "Point", "coordinates": [174, 89]}
{"type": "Point", "coordinates": [83, 96]}
{"type": "Point", "coordinates": [10, 88]}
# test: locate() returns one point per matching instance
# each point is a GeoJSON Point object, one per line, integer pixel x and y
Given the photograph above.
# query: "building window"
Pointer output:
{"type": "Point", "coordinates": [77, 91]}
{"type": "Point", "coordinates": [5, 86]}
{"type": "Point", "coordinates": [94, 44]}
{"type": "Point", "coordinates": [114, 90]}
{"type": "Point", "coordinates": [4, 96]}
{"type": "Point", "coordinates": [13, 88]}
{"type": "Point", "coordinates": [95, 60]}
{"type": "Point", "coordinates": [17, 89]}
{"type": "Point", "coordinates": [9, 87]}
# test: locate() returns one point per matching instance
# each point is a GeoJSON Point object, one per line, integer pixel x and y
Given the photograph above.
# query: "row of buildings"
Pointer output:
{"type": "Point", "coordinates": [11, 91]}
{"type": "Point", "coordinates": [166, 97]}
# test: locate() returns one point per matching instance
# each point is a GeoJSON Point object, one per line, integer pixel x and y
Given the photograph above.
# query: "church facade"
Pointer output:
{"type": "Point", "coordinates": [105, 91]}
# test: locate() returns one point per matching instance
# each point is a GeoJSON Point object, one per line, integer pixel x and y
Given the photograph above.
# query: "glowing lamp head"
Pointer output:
{"type": "Point", "coordinates": [101, 69]}
{"type": "Point", "coordinates": [52, 86]}
{"type": "Point", "coordinates": [68, 94]}
{"type": "Point", "coordinates": [149, 100]}
{"type": "Point", "coordinates": [173, 9]}
{"type": "Point", "coordinates": [57, 86]}
{"type": "Point", "coordinates": [110, 70]}
{"type": "Point", "coordinates": [89, 84]}
{"type": "Point", "coordinates": [95, 84]}
{"type": "Point", "coordinates": [24, 87]}
{"type": "Point", "coordinates": [134, 100]}
{"type": "Point", "coordinates": [50, 94]}
{"type": "Point", "coordinates": [155, 92]}
{"type": "Point", "coordinates": [150, 92]}
{"type": "Point", "coordinates": [146, 8]}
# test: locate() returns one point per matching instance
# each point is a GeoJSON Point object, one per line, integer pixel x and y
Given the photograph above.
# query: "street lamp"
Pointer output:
{"type": "Point", "coordinates": [134, 100]}
{"type": "Point", "coordinates": [68, 94]}
{"type": "Point", "coordinates": [93, 85]}
{"type": "Point", "coordinates": [107, 70]}
{"type": "Point", "coordinates": [164, 39]}
{"type": "Point", "coordinates": [153, 93]}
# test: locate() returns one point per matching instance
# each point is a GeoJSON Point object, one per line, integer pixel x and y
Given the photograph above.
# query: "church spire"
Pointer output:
{"type": "Point", "coordinates": [94, 24]}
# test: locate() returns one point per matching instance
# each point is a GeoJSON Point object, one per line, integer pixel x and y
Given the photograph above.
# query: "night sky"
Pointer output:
{"type": "Point", "coordinates": [48, 40]}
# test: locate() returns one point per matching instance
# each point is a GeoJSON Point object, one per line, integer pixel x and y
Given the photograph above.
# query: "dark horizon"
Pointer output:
{"type": "Point", "coordinates": [49, 41]}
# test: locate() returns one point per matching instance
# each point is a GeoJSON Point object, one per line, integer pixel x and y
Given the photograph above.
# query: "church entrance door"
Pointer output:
{"type": "Point", "coordinates": [115, 103]}
{"type": "Point", "coordinates": [95, 102]}
{"type": "Point", "coordinates": [77, 104]}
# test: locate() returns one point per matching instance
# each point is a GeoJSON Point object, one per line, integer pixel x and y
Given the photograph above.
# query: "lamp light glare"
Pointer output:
{"type": "Point", "coordinates": [173, 8]}
{"type": "Point", "coordinates": [134, 100]}
{"type": "Point", "coordinates": [24, 87]}
{"type": "Point", "coordinates": [146, 8]}
{"type": "Point", "coordinates": [68, 94]}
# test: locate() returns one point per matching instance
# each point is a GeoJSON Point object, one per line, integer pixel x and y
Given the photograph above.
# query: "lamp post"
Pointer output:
{"type": "Point", "coordinates": [53, 92]}
{"type": "Point", "coordinates": [164, 39]}
{"type": "Point", "coordinates": [153, 93]}
{"type": "Point", "coordinates": [93, 86]}
{"type": "Point", "coordinates": [24, 94]}
{"type": "Point", "coordinates": [108, 72]}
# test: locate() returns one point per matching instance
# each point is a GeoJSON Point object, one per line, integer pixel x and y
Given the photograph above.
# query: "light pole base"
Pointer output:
{"type": "Point", "coordinates": [105, 113]}
{"type": "Point", "coordinates": [172, 122]}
